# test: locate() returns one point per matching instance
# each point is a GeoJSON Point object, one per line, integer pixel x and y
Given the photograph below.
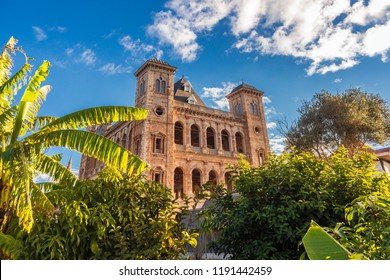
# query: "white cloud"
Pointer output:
{"type": "Point", "coordinates": [88, 57]}
{"type": "Point", "coordinates": [277, 143]}
{"type": "Point", "coordinates": [69, 51]}
{"type": "Point", "coordinates": [330, 35]}
{"type": "Point", "coordinates": [81, 54]}
{"type": "Point", "coordinates": [271, 125]}
{"type": "Point", "coordinates": [111, 69]}
{"type": "Point", "coordinates": [75, 171]}
{"type": "Point", "coordinates": [109, 35]}
{"type": "Point", "coordinates": [39, 33]}
{"type": "Point", "coordinates": [138, 50]}
{"type": "Point", "coordinates": [60, 29]}
{"type": "Point", "coordinates": [377, 41]}
{"type": "Point", "coordinates": [337, 81]}
{"type": "Point", "coordinates": [247, 15]}
{"type": "Point", "coordinates": [269, 111]}
{"type": "Point", "coordinates": [176, 32]}
{"type": "Point", "coordinates": [201, 15]}
{"type": "Point", "coordinates": [217, 94]}
{"type": "Point", "coordinates": [41, 178]}
{"type": "Point", "coordinates": [266, 100]}
{"type": "Point", "coordinates": [375, 11]}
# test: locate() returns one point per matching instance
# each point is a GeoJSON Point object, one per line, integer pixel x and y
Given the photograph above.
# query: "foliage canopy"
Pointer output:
{"type": "Point", "coordinates": [25, 136]}
{"type": "Point", "coordinates": [277, 201]}
{"type": "Point", "coordinates": [351, 119]}
{"type": "Point", "coordinates": [101, 219]}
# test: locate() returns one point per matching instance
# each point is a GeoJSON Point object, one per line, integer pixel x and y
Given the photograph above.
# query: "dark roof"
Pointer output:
{"type": "Point", "coordinates": [244, 86]}
{"type": "Point", "coordinates": [181, 95]}
{"type": "Point", "coordinates": [383, 154]}
{"type": "Point", "coordinates": [155, 61]}
{"type": "Point", "coordinates": [159, 61]}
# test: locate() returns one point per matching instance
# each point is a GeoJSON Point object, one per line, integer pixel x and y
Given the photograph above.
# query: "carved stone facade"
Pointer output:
{"type": "Point", "coordinates": [186, 143]}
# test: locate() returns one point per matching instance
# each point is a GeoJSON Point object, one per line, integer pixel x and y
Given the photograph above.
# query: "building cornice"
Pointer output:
{"type": "Point", "coordinates": [157, 64]}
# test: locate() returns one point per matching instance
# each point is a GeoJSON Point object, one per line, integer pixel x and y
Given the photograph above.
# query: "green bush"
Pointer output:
{"type": "Point", "coordinates": [127, 219]}
{"type": "Point", "coordinates": [366, 230]}
{"type": "Point", "coordinates": [276, 202]}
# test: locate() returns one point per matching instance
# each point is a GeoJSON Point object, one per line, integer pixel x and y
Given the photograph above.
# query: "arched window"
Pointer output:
{"type": "Point", "coordinates": [163, 86]}
{"type": "Point", "coordinates": [178, 133]}
{"type": "Point", "coordinates": [261, 156]}
{"type": "Point", "coordinates": [158, 87]}
{"type": "Point", "coordinates": [239, 143]}
{"type": "Point", "coordinates": [142, 87]}
{"type": "Point", "coordinates": [195, 138]}
{"type": "Point", "coordinates": [124, 138]}
{"type": "Point", "coordinates": [225, 140]}
{"type": "Point", "coordinates": [213, 177]}
{"type": "Point", "coordinates": [196, 182]}
{"type": "Point", "coordinates": [238, 109]}
{"type": "Point", "coordinates": [253, 108]}
{"type": "Point", "coordinates": [178, 183]}
{"type": "Point", "coordinates": [229, 181]}
{"type": "Point", "coordinates": [210, 135]}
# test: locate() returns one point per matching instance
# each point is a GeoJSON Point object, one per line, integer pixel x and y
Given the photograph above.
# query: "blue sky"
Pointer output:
{"type": "Point", "coordinates": [290, 49]}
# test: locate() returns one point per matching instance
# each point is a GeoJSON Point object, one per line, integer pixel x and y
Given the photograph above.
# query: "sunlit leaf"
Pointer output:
{"type": "Point", "coordinates": [319, 245]}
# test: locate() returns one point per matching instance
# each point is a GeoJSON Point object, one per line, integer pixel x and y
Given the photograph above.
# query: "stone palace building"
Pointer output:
{"type": "Point", "coordinates": [186, 143]}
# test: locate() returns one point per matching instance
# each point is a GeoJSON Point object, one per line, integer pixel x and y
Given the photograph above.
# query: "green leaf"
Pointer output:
{"type": "Point", "coordinates": [319, 245]}
{"type": "Point", "coordinates": [10, 245]}
{"type": "Point", "coordinates": [96, 115]}
{"type": "Point", "coordinates": [50, 166]}
{"type": "Point", "coordinates": [31, 100]}
{"type": "Point", "coordinates": [97, 146]}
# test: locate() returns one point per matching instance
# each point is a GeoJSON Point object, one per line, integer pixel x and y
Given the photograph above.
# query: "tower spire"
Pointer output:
{"type": "Point", "coordinates": [69, 165]}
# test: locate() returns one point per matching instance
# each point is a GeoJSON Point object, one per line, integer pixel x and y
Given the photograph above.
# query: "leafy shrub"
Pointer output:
{"type": "Point", "coordinates": [277, 201]}
{"type": "Point", "coordinates": [129, 219]}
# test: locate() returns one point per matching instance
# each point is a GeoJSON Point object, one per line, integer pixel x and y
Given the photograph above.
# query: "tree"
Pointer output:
{"type": "Point", "coordinates": [109, 218]}
{"type": "Point", "coordinates": [352, 119]}
{"type": "Point", "coordinates": [25, 136]}
{"type": "Point", "coordinates": [277, 201]}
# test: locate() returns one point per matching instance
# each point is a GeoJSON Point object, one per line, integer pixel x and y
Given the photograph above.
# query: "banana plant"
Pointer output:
{"type": "Point", "coordinates": [319, 245]}
{"type": "Point", "coordinates": [25, 137]}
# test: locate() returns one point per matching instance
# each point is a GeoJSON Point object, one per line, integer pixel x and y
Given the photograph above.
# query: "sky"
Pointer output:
{"type": "Point", "coordinates": [289, 49]}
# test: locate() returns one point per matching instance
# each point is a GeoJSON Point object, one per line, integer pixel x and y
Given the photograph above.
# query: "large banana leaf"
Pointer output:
{"type": "Point", "coordinates": [91, 144]}
{"type": "Point", "coordinates": [7, 116]}
{"type": "Point", "coordinates": [52, 167]}
{"type": "Point", "coordinates": [16, 177]}
{"type": "Point", "coordinates": [6, 60]}
{"type": "Point", "coordinates": [42, 121]}
{"type": "Point", "coordinates": [319, 245]}
{"type": "Point", "coordinates": [97, 115]}
{"type": "Point", "coordinates": [31, 100]}
{"type": "Point", "coordinates": [12, 85]}
{"type": "Point", "coordinates": [9, 245]}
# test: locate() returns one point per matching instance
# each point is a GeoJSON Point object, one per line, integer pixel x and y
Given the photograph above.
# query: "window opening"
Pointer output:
{"type": "Point", "coordinates": [213, 178]}
{"type": "Point", "coordinates": [210, 138]}
{"type": "Point", "coordinates": [196, 182]}
{"type": "Point", "coordinates": [225, 140]}
{"type": "Point", "coordinates": [239, 143]}
{"type": "Point", "coordinates": [178, 183]}
{"type": "Point", "coordinates": [157, 85]}
{"type": "Point", "coordinates": [195, 141]}
{"type": "Point", "coordinates": [178, 133]}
